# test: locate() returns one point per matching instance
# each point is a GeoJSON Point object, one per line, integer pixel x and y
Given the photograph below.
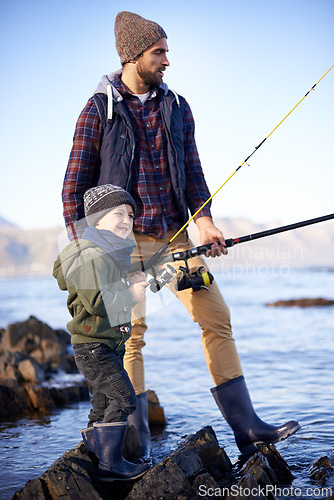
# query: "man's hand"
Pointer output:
{"type": "Point", "coordinates": [209, 233]}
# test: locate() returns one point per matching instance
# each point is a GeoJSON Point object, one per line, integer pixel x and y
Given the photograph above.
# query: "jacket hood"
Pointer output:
{"type": "Point", "coordinates": [110, 80]}
{"type": "Point", "coordinates": [66, 260]}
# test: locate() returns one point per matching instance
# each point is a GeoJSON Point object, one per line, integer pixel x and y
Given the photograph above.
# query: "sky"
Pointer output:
{"type": "Point", "coordinates": [242, 65]}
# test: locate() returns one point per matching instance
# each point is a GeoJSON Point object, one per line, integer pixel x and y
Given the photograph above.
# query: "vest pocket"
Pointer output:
{"type": "Point", "coordinates": [115, 138]}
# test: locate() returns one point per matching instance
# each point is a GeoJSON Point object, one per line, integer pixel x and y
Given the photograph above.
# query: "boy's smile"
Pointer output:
{"type": "Point", "coordinates": [119, 220]}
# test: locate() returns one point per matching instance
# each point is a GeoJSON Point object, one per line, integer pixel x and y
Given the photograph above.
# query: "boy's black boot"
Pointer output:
{"type": "Point", "coordinates": [112, 465]}
{"type": "Point", "coordinates": [234, 402]}
{"type": "Point", "coordinates": [139, 419]}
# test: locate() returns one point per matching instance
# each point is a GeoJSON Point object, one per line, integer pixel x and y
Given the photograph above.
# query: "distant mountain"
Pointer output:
{"type": "Point", "coordinates": [6, 223]}
{"type": "Point", "coordinates": [27, 252]}
{"type": "Point", "coordinates": [33, 252]}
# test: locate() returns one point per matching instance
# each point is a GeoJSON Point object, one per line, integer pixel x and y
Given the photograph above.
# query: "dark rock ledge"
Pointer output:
{"type": "Point", "coordinates": [37, 370]}
{"type": "Point", "coordinates": [199, 468]}
{"type": "Point", "coordinates": [309, 302]}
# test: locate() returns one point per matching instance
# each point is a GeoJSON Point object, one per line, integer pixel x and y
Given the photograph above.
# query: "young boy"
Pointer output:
{"type": "Point", "coordinates": [94, 272]}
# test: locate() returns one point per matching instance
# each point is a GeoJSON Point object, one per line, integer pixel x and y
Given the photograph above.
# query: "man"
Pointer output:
{"type": "Point", "coordinates": [136, 133]}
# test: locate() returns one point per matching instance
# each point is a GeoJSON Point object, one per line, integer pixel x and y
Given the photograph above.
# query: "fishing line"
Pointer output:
{"type": "Point", "coordinates": [245, 161]}
{"type": "Point", "coordinates": [158, 255]}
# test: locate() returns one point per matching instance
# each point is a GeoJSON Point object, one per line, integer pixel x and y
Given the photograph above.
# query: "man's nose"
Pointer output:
{"type": "Point", "coordinates": [165, 62]}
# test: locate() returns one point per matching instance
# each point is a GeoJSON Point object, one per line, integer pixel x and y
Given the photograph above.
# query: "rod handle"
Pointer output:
{"type": "Point", "coordinates": [200, 250]}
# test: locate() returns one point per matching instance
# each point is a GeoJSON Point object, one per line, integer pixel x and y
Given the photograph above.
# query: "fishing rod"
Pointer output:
{"type": "Point", "coordinates": [201, 278]}
{"type": "Point", "coordinates": [248, 157]}
{"type": "Point", "coordinates": [242, 239]}
{"type": "Point", "coordinates": [157, 256]}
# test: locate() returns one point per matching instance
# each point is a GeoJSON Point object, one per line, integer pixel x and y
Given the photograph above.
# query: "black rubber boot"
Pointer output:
{"type": "Point", "coordinates": [234, 402]}
{"type": "Point", "coordinates": [112, 466]}
{"type": "Point", "coordinates": [139, 419]}
{"type": "Point", "coordinates": [88, 437]}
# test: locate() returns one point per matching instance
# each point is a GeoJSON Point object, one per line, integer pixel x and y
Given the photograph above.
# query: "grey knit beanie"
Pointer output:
{"type": "Point", "coordinates": [102, 198]}
{"type": "Point", "coordinates": [134, 34]}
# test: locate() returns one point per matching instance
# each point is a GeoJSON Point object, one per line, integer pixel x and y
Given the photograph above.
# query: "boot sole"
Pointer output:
{"type": "Point", "coordinates": [251, 448]}
{"type": "Point", "coordinates": [288, 433]}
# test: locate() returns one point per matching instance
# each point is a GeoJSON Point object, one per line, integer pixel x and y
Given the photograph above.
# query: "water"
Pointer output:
{"type": "Point", "coordinates": [287, 356]}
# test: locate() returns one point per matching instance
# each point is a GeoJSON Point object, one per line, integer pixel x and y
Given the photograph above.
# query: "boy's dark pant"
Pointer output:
{"type": "Point", "coordinates": [113, 396]}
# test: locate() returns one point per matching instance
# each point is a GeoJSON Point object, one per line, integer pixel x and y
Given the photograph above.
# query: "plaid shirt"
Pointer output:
{"type": "Point", "coordinates": [151, 187]}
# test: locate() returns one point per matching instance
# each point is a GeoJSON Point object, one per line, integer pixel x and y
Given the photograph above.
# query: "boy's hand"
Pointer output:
{"type": "Point", "coordinates": [138, 285]}
{"type": "Point", "coordinates": [137, 277]}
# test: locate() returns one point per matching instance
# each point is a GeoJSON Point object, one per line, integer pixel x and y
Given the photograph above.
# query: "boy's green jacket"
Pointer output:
{"type": "Point", "coordinates": [99, 299]}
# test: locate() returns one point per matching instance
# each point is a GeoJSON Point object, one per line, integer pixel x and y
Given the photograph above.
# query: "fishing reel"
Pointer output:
{"type": "Point", "coordinates": [197, 280]}
{"type": "Point", "coordinates": [161, 278]}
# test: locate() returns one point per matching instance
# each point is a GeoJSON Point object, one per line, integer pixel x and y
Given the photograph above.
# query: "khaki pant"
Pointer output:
{"type": "Point", "coordinates": [209, 310]}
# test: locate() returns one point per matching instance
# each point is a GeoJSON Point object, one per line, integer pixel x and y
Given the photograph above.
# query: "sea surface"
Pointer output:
{"type": "Point", "coordinates": [287, 356]}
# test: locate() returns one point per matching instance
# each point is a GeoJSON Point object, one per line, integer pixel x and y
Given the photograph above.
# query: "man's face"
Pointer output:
{"type": "Point", "coordinates": [152, 63]}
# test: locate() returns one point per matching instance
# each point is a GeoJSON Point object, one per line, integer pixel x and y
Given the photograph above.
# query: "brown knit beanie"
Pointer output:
{"type": "Point", "coordinates": [134, 34]}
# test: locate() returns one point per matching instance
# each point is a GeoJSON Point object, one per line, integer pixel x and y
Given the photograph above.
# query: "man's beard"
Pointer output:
{"type": "Point", "coordinates": [147, 76]}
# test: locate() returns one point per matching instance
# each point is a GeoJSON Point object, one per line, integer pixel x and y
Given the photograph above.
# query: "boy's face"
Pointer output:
{"type": "Point", "coordinates": [119, 220]}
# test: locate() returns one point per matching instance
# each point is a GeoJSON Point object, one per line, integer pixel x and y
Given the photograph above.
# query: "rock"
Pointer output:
{"type": "Point", "coordinates": [156, 414]}
{"type": "Point", "coordinates": [20, 367]}
{"type": "Point", "coordinates": [301, 303]}
{"type": "Point", "coordinates": [175, 475]}
{"type": "Point", "coordinates": [68, 478]}
{"type": "Point", "coordinates": [30, 370]}
{"type": "Point", "coordinates": [62, 396]}
{"type": "Point", "coordinates": [34, 488]}
{"type": "Point", "coordinates": [36, 339]}
{"type": "Point", "coordinates": [247, 487]}
{"type": "Point", "coordinates": [203, 483]}
{"type": "Point", "coordinates": [165, 480]}
{"type": "Point", "coordinates": [9, 362]}
{"type": "Point", "coordinates": [205, 444]}
{"type": "Point", "coordinates": [258, 467]}
{"type": "Point", "coordinates": [14, 400]}
{"type": "Point", "coordinates": [30, 352]}
{"type": "Point", "coordinates": [40, 398]}
{"type": "Point", "coordinates": [17, 399]}
{"type": "Point", "coordinates": [10, 373]}
{"type": "Point", "coordinates": [262, 474]}
{"type": "Point", "coordinates": [199, 468]}
{"type": "Point", "coordinates": [320, 470]}
{"type": "Point", "coordinates": [277, 464]}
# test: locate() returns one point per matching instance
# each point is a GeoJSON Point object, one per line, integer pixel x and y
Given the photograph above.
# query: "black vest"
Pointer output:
{"type": "Point", "coordinates": [118, 145]}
